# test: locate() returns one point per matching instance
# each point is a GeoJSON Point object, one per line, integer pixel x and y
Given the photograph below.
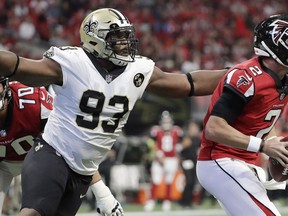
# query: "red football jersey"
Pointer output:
{"type": "Point", "coordinates": [259, 115]}
{"type": "Point", "coordinates": [26, 109]}
{"type": "Point", "coordinates": [166, 140]}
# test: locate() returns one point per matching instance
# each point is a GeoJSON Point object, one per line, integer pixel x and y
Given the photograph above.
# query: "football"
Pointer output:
{"type": "Point", "coordinates": [276, 170]}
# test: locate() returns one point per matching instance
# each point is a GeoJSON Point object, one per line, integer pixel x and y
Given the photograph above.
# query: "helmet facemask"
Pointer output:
{"type": "Point", "coordinates": [6, 94]}
{"type": "Point", "coordinates": [117, 38]}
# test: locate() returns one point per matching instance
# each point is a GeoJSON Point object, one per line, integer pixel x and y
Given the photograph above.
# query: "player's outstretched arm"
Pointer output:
{"type": "Point", "coordinates": [174, 85]}
{"type": "Point", "coordinates": [205, 81]}
{"type": "Point", "coordinates": [28, 71]}
{"type": "Point", "coordinates": [9, 62]}
{"type": "Point", "coordinates": [105, 201]}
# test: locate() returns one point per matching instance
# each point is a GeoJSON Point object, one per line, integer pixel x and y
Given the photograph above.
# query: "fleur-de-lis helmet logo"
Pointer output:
{"type": "Point", "coordinates": [90, 26]}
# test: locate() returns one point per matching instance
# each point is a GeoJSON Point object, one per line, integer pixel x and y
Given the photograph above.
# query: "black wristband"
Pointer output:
{"type": "Point", "coordinates": [16, 67]}
{"type": "Point", "coordinates": [190, 80]}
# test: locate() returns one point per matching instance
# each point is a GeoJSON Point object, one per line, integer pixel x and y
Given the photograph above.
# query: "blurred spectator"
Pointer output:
{"type": "Point", "coordinates": [202, 32]}
{"type": "Point", "coordinates": [27, 29]}
{"type": "Point", "coordinates": [176, 34]}
{"type": "Point", "coordinates": [188, 158]}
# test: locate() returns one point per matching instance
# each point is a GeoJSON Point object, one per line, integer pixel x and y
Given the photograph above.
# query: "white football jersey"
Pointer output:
{"type": "Point", "coordinates": [92, 106]}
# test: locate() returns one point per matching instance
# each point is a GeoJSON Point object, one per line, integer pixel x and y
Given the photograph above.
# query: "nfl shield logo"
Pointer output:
{"type": "Point", "coordinates": [108, 78]}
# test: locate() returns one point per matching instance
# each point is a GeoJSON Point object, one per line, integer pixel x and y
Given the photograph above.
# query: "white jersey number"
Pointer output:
{"type": "Point", "coordinates": [272, 115]}
{"type": "Point", "coordinates": [87, 106]}
{"type": "Point", "coordinates": [17, 145]}
{"type": "Point", "coordinates": [167, 143]}
{"type": "Point", "coordinates": [24, 92]}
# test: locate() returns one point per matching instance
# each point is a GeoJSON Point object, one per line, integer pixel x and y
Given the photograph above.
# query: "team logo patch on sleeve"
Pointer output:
{"type": "Point", "coordinates": [242, 81]}
{"type": "Point", "coordinates": [138, 79]}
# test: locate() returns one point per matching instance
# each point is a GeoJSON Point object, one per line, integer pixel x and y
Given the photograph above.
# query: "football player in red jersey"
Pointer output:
{"type": "Point", "coordinates": [23, 113]}
{"type": "Point", "coordinates": [166, 163]}
{"type": "Point", "coordinates": [243, 111]}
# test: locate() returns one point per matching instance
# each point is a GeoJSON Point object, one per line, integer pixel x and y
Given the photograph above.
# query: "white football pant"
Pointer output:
{"type": "Point", "coordinates": [236, 187]}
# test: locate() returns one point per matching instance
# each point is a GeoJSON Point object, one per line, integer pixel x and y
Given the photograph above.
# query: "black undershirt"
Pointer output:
{"type": "Point", "coordinates": [229, 105]}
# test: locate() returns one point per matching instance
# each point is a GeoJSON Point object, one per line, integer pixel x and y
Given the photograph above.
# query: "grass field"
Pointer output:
{"type": "Point", "coordinates": [206, 209]}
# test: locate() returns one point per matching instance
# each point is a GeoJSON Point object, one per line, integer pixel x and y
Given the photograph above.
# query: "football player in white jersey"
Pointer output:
{"type": "Point", "coordinates": [96, 87]}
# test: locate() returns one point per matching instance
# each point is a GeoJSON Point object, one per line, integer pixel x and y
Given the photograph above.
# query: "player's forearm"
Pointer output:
{"type": "Point", "coordinates": [8, 63]}
{"type": "Point", "coordinates": [205, 81]}
{"type": "Point", "coordinates": [96, 177]}
{"type": "Point", "coordinates": [219, 131]}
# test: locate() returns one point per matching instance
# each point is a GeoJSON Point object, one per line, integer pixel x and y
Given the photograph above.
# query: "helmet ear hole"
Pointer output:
{"type": "Point", "coordinates": [93, 43]}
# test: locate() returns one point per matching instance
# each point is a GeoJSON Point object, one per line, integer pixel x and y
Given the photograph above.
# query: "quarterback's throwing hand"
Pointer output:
{"type": "Point", "coordinates": [106, 203]}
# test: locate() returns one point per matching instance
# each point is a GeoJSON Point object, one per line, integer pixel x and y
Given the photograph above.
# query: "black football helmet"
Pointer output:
{"type": "Point", "coordinates": [6, 93]}
{"type": "Point", "coordinates": [271, 38]}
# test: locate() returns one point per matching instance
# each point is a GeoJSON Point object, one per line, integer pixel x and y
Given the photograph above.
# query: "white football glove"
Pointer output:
{"type": "Point", "coordinates": [106, 203]}
{"type": "Point", "coordinates": [109, 206]}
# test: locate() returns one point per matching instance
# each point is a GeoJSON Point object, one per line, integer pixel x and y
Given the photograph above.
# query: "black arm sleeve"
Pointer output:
{"type": "Point", "coordinates": [43, 123]}
{"type": "Point", "coordinates": [229, 106]}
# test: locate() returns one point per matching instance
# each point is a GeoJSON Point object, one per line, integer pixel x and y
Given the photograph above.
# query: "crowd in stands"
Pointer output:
{"type": "Point", "coordinates": [184, 34]}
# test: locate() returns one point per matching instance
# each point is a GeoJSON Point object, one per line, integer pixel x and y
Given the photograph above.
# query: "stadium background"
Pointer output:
{"type": "Point", "coordinates": [179, 36]}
